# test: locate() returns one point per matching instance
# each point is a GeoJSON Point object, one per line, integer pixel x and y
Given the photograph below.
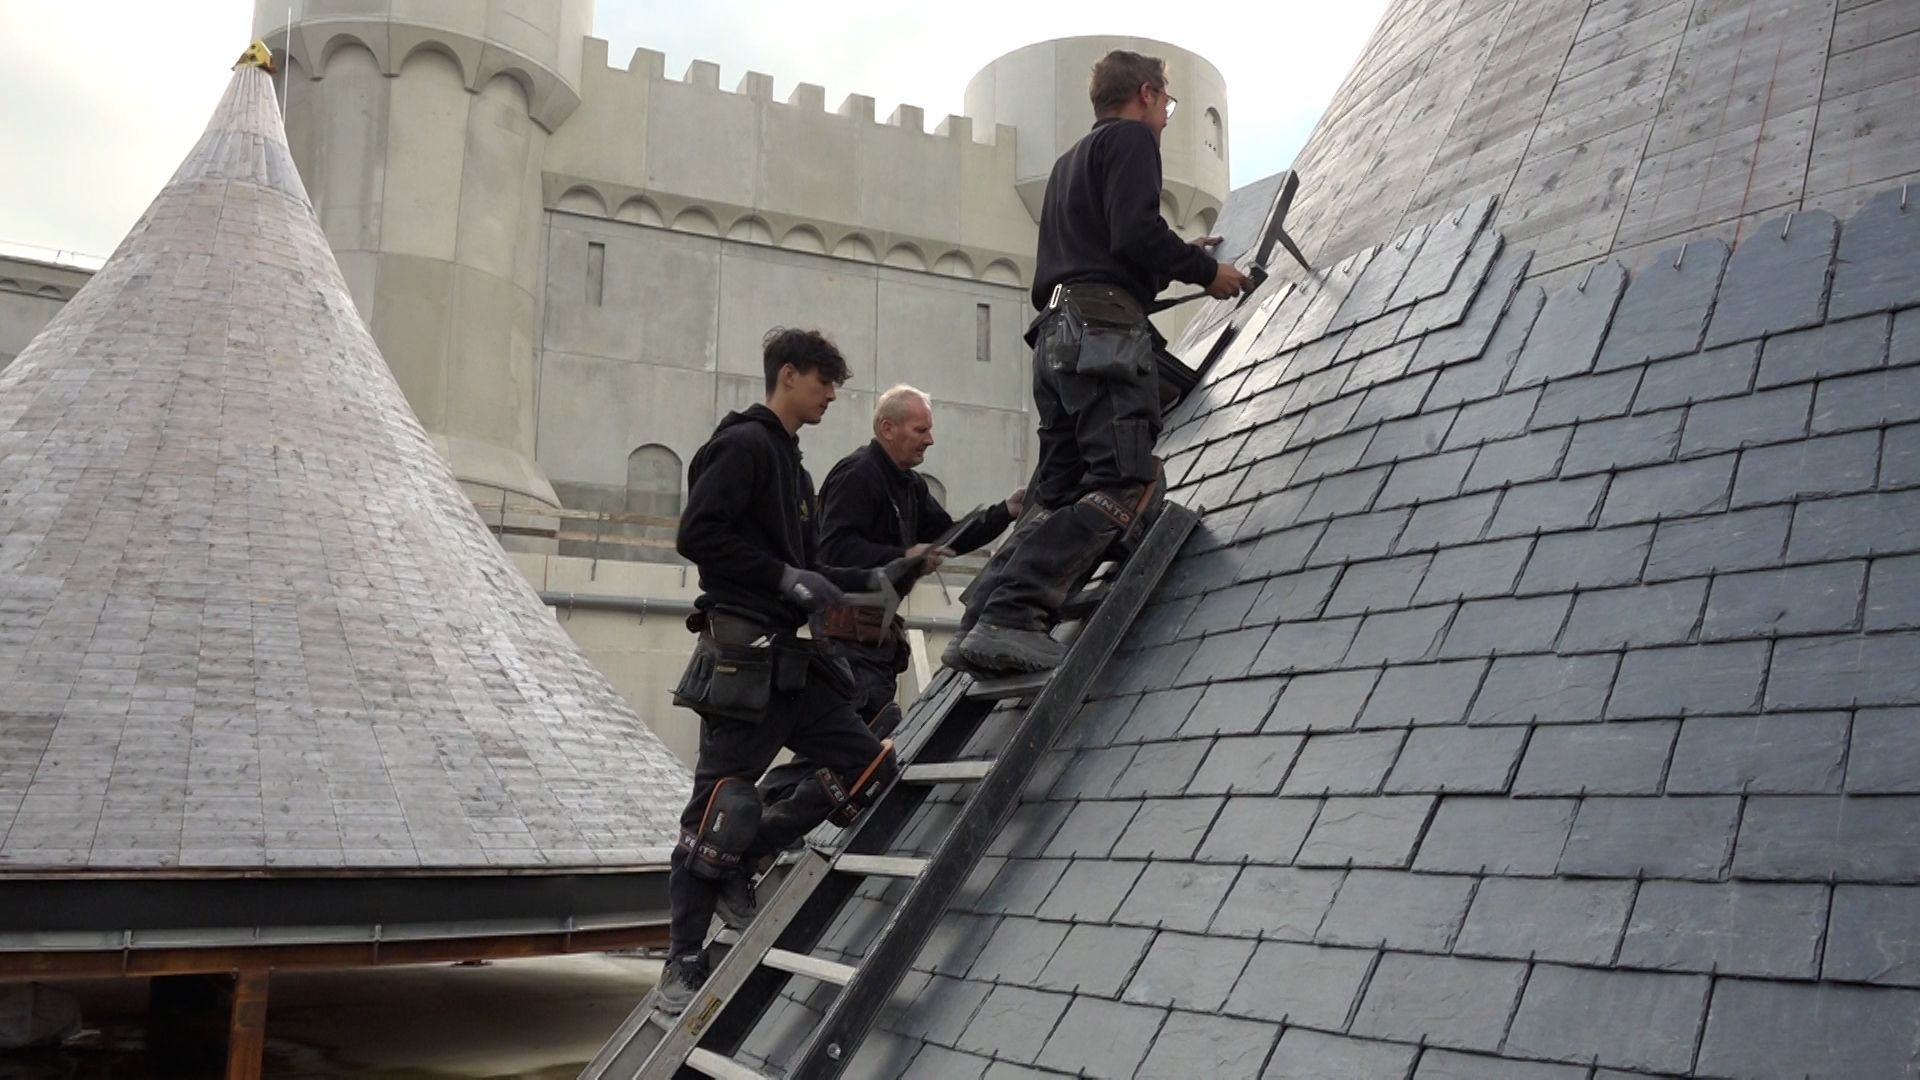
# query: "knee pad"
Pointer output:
{"type": "Point", "coordinates": [727, 829]}
{"type": "Point", "coordinates": [848, 800]}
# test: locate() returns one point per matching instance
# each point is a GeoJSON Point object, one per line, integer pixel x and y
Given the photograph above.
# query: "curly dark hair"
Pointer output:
{"type": "Point", "coordinates": [807, 350]}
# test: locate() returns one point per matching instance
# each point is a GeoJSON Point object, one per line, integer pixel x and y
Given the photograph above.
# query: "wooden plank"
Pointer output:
{"type": "Point", "coordinates": [247, 1026]}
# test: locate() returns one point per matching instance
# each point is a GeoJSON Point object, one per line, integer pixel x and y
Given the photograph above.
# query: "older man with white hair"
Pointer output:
{"type": "Point", "coordinates": [876, 508]}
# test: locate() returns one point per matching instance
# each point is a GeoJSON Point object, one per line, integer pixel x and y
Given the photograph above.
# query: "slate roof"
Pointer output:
{"type": "Point", "coordinates": [248, 621]}
{"type": "Point", "coordinates": [1540, 697]}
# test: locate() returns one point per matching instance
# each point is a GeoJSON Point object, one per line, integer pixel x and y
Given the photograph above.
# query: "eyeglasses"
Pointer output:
{"type": "Point", "coordinates": [1172, 103]}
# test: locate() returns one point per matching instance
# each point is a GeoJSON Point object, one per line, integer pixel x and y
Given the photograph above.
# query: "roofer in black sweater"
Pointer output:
{"type": "Point", "coordinates": [1104, 254]}
{"type": "Point", "coordinates": [749, 527]}
{"type": "Point", "coordinates": [876, 508]}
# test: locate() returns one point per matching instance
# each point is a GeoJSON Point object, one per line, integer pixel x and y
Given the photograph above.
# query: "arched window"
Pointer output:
{"type": "Point", "coordinates": [1215, 133]}
{"type": "Point", "coordinates": [653, 481]}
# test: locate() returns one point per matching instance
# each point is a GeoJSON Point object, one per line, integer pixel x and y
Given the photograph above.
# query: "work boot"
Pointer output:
{"type": "Point", "coordinates": [885, 721]}
{"type": "Point", "coordinates": [1003, 650]}
{"type": "Point", "coordinates": [680, 983]}
{"type": "Point", "coordinates": [738, 906]}
{"type": "Point", "coordinates": [954, 657]}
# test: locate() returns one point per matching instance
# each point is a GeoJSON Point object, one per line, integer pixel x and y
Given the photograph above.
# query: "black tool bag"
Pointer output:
{"type": "Point", "coordinates": [732, 682]}
{"type": "Point", "coordinates": [1096, 331]}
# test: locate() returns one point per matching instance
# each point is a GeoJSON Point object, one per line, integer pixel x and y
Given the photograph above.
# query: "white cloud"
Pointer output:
{"type": "Point", "coordinates": [106, 96]}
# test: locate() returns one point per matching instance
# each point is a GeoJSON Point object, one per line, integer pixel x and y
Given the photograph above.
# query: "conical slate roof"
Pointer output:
{"type": "Point", "coordinates": [247, 619]}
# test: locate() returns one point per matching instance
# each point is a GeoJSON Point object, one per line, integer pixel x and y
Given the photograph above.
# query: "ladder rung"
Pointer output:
{"type": "Point", "coordinates": [947, 772]}
{"type": "Point", "coordinates": [899, 866]}
{"type": "Point", "coordinates": [811, 966]}
{"type": "Point", "coordinates": [720, 1067]}
{"type": "Point", "coordinates": [1011, 686]}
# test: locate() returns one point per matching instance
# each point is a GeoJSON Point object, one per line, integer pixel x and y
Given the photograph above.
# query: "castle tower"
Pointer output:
{"type": "Point", "coordinates": [1041, 91]}
{"type": "Point", "coordinates": [421, 129]}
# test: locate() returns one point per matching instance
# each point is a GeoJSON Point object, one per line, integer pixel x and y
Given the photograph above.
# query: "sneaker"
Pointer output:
{"type": "Point", "coordinates": [1003, 650]}
{"type": "Point", "coordinates": [680, 983]}
{"type": "Point", "coordinates": [738, 906]}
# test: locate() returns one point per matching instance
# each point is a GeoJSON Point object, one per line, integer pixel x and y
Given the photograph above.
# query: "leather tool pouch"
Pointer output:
{"type": "Point", "coordinates": [1100, 334]}
{"type": "Point", "coordinates": [732, 682]}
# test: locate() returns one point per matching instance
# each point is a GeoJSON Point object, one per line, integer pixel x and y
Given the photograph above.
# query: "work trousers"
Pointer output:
{"type": "Point", "coordinates": [1095, 469]}
{"type": "Point", "coordinates": [817, 723]}
{"type": "Point", "coordinates": [876, 673]}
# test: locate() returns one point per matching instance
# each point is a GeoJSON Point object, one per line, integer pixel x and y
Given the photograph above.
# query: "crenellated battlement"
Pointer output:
{"type": "Point", "coordinates": [651, 66]}
{"type": "Point", "coordinates": [686, 153]}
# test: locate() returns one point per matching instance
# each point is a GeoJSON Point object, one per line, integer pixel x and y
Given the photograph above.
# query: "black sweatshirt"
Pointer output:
{"type": "Point", "coordinates": [872, 511]}
{"type": "Point", "coordinates": [1100, 221]}
{"type": "Point", "coordinates": [750, 514]}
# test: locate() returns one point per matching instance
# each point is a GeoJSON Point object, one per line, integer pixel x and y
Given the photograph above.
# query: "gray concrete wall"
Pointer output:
{"type": "Point", "coordinates": [1613, 126]}
{"type": "Point", "coordinates": [31, 294]}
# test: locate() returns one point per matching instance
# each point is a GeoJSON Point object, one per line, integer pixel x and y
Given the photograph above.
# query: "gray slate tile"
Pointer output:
{"type": "Point", "coordinates": [1727, 928]}
{"type": "Point", "coordinates": [1634, 617]}
{"type": "Point", "coordinates": [1689, 680]}
{"type": "Point", "coordinates": [1797, 600]}
{"type": "Point", "coordinates": [1870, 399]}
{"type": "Point", "coordinates": [1277, 902]}
{"type": "Point", "coordinates": [1833, 349]}
{"type": "Point", "coordinates": [1548, 506]}
{"type": "Point", "coordinates": [1440, 1001]}
{"type": "Point", "coordinates": [1167, 828]}
{"type": "Point", "coordinates": [1885, 755]}
{"type": "Point", "coordinates": [1232, 708]}
{"type": "Point", "coordinates": [1452, 521]}
{"type": "Point", "coordinates": [1425, 479]}
{"type": "Point", "coordinates": [1013, 1023]}
{"type": "Point", "coordinates": [1856, 525]}
{"type": "Point", "coordinates": [1090, 830]}
{"type": "Point", "coordinates": [1095, 960]}
{"type": "Point", "coordinates": [1301, 984]}
{"type": "Point", "coordinates": [1106, 1038]}
{"type": "Point", "coordinates": [1475, 571]}
{"type": "Point", "coordinates": [1420, 694]}
{"type": "Point", "coordinates": [1687, 838]}
{"type": "Point", "coordinates": [1501, 626]}
{"type": "Point", "coordinates": [1632, 1020]}
{"type": "Point", "coordinates": [1462, 760]}
{"type": "Point", "coordinates": [1820, 838]}
{"type": "Point", "coordinates": [1605, 445]}
{"type": "Point", "coordinates": [1496, 835]}
{"type": "Point", "coordinates": [1782, 1030]}
{"type": "Point", "coordinates": [1499, 316]}
{"type": "Point", "coordinates": [1449, 1065]}
{"type": "Point", "coordinates": [1090, 890]}
{"type": "Point", "coordinates": [1841, 672]}
{"type": "Point", "coordinates": [1588, 559]}
{"type": "Point", "coordinates": [1893, 594]}
{"type": "Point", "coordinates": [1769, 416]}
{"type": "Point", "coordinates": [1310, 1055]}
{"type": "Point", "coordinates": [1253, 765]}
{"type": "Point", "coordinates": [1621, 758]}
{"type": "Point", "coordinates": [1188, 971]}
{"type": "Point", "coordinates": [1177, 895]}
{"type": "Point", "coordinates": [1534, 456]}
{"type": "Point", "coordinates": [1017, 952]}
{"type": "Point", "coordinates": [1571, 922]}
{"type": "Point", "coordinates": [1343, 764]}
{"type": "Point", "coordinates": [1566, 338]}
{"type": "Point", "coordinates": [1545, 690]}
{"type": "Point", "coordinates": [1448, 248]}
{"type": "Point", "coordinates": [1324, 702]}
{"type": "Point", "coordinates": [1586, 397]}
{"type": "Point", "coordinates": [1742, 540]}
{"type": "Point", "coordinates": [1836, 465]}
{"type": "Point", "coordinates": [1261, 829]}
{"type": "Point", "coordinates": [1664, 312]}
{"type": "Point", "coordinates": [1781, 753]}
{"type": "Point", "coordinates": [1502, 417]}
{"type": "Point", "coordinates": [1875, 270]}
{"type": "Point", "coordinates": [1377, 831]}
{"type": "Point", "coordinates": [1706, 376]}
{"type": "Point", "coordinates": [1874, 935]}
{"type": "Point", "coordinates": [1682, 489]}
{"type": "Point", "coordinates": [1393, 910]}
{"type": "Point", "coordinates": [1774, 284]}
{"type": "Point", "coordinates": [1378, 586]}
{"type": "Point", "coordinates": [1190, 1045]}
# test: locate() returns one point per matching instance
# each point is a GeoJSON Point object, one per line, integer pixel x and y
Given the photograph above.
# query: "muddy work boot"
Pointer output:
{"type": "Point", "coordinates": [680, 983]}
{"type": "Point", "coordinates": [737, 906]}
{"type": "Point", "coordinates": [1006, 651]}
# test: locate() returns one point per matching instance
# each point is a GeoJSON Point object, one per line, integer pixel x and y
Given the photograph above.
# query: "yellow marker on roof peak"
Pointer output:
{"type": "Point", "coordinates": [258, 55]}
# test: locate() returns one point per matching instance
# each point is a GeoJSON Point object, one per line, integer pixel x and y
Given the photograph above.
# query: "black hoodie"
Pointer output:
{"type": "Point", "coordinates": [873, 511]}
{"type": "Point", "coordinates": [750, 515]}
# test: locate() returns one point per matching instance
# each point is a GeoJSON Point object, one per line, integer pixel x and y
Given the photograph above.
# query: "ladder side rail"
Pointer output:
{"type": "Point", "coordinates": [832, 1045]}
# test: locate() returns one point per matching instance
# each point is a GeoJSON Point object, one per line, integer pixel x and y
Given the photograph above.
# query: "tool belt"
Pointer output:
{"type": "Point", "coordinates": [738, 664]}
{"type": "Point", "coordinates": [863, 625]}
{"type": "Point", "coordinates": [1098, 331]}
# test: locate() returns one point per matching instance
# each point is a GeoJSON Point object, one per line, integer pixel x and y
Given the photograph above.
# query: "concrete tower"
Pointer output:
{"type": "Point", "coordinates": [1041, 91]}
{"type": "Point", "coordinates": [421, 128]}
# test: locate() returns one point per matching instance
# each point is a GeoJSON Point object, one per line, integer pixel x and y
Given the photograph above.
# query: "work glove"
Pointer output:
{"type": "Point", "coordinates": [902, 572]}
{"type": "Point", "coordinates": [808, 590]}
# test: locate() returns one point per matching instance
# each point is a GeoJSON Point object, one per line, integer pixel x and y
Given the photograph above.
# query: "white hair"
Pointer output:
{"type": "Point", "coordinates": [893, 404]}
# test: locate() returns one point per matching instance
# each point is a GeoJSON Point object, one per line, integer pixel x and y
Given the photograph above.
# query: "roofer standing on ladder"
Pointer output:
{"type": "Point", "coordinates": [749, 528]}
{"type": "Point", "coordinates": [1104, 253]}
{"type": "Point", "coordinates": [876, 508]}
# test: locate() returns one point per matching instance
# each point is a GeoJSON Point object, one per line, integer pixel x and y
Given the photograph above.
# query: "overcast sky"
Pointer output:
{"type": "Point", "coordinates": [106, 96]}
